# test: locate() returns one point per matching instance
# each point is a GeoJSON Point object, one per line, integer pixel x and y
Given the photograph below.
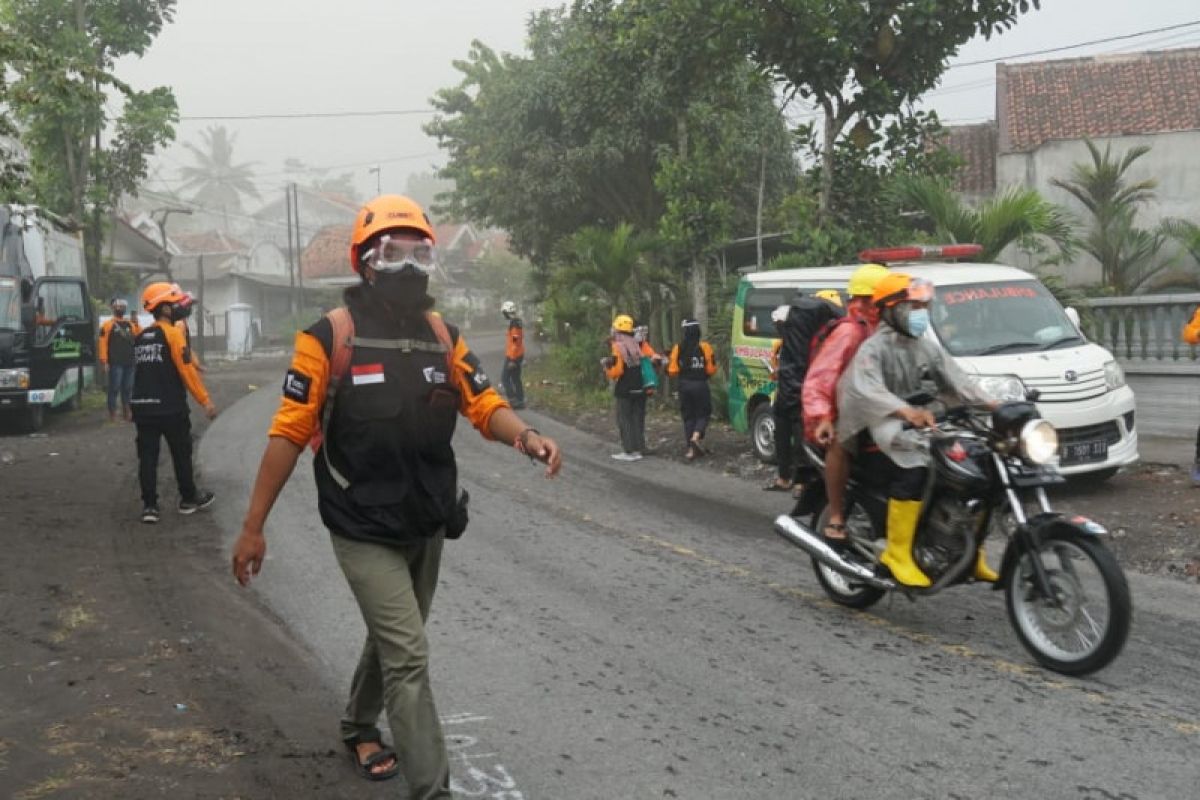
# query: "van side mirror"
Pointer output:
{"type": "Point", "coordinates": [1073, 315]}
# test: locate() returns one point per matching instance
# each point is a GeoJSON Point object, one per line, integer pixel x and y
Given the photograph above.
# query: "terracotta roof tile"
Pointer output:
{"type": "Point", "coordinates": [976, 146]}
{"type": "Point", "coordinates": [207, 242]}
{"type": "Point", "coordinates": [1113, 95]}
{"type": "Point", "coordinates": [328, 254]}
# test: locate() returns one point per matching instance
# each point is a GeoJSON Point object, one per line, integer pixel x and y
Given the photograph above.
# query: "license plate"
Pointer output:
{"type": "Point", "coordinates": [38, 396]}
{"type": "Point", "coordinates": [1084, 452]}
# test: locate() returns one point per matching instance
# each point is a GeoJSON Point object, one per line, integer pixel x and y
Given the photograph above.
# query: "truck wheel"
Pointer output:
{"type": "Point", "coordinates": [762, 433]}
{"type": "Point", "coordinates": [34, 417]}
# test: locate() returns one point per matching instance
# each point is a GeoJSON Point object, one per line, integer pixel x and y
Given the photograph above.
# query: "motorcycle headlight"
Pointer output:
{"type": "Point", "coordinates": [1039, 441]}
{"type": "Point", "coordinates": [1114, 376]}
{"type": "Point", "coordinates": [1004, 388]}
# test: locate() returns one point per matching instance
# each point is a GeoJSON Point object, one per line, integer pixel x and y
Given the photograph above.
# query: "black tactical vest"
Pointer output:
{"type": "Point", "coordinates": [386, 471]}
{"type": "Point", "coordinates": [157, 387]}
{"type": "Point", "coordinates": [692, 366]}
{"type": "Point", "coordinates": [120, 342]}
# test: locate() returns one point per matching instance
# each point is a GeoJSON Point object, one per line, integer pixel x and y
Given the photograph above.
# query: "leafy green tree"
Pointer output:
{"type": "Point", "coordinates": [59, 98]}
{"type": "Point", "coordinates": [214, 180]}
{"type": "Point", "coordinates": [863, 60]}
{"type": "Point", "coordinates": [1186, 233]}
{"type": "Point", "coordinates": [1014, 216]}
{"type": "Point", "coordinates": [14, 174]}
{"type": "Point", "coordinates": [1129, 256]}
{"type": "Point", "coordinates": [605, 267]}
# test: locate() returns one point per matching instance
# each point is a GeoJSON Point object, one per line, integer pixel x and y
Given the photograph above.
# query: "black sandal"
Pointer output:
{"type": "Point", "coordinates": [365, 767]}
{"type": "Point", "coordinates": [836, 542]}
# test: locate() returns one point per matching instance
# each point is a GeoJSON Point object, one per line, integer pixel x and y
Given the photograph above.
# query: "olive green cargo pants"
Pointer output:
{"type": "Point", "coordinates": [394, 589]}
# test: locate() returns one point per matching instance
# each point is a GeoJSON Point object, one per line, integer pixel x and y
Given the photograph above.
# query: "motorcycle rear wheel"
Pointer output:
{"type": "Point", "coordinates": [1084, 628]}
{"type": "Point", "coordinates": [841, 589]}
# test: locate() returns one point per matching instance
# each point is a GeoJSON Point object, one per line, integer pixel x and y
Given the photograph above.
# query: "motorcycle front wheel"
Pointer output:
{"type": "Point", "coordinates": [1083, 626]}
{"type": "Point", "coordinates": [841, 589]}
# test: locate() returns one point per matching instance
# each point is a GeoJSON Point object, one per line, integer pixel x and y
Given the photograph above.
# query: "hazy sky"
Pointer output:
{"type": "Point", "coordinates": [239, 57]}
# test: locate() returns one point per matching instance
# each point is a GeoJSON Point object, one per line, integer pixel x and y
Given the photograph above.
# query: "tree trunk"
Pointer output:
{"type": "Point", "coordinates": [831, 132]}
{"type": "Point", "coordinates": [700, 292]}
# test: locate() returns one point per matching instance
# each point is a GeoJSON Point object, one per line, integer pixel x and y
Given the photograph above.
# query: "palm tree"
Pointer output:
{"type": "Point", "coordinates": [605, 264]}
{"type": "Point", "coordinates": [217, 182]}
{"type": "Point", "coordinates": [1016, 215]}
{"type": "Point", "coordinates": [1128, 255]}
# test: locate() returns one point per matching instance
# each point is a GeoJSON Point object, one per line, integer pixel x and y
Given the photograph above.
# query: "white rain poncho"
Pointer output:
{"type": "Point", "coordinates": [887, 368]}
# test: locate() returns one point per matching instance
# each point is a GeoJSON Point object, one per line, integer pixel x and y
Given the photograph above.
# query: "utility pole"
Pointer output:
{"type": "Point", "coordinates": [378, 179]}
{"type": "Point", "coordinates": [299, 245]}
{"type": "Point", "coordinates": [287, 195]}
{"type": "Point", "coordinates": [200, 304]}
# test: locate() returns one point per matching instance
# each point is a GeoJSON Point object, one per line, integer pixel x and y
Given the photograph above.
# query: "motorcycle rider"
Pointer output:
{"type": "Point", "coordinates": [891, 365]}
{"type": "Point", "coordinates": [829, 360]}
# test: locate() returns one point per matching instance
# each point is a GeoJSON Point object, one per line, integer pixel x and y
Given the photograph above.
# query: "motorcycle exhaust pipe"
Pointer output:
{"type": "Point", "coordinates": [796, 533]}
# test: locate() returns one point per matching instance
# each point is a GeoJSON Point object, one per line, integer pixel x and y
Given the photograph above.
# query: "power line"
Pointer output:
{"type": "Point", "coordinates": [1105, 40]}
{"type": "Point", "coordinates": [311, 115]}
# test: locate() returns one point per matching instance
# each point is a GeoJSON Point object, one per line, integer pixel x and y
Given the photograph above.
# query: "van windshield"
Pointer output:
{"type": "Point", "coordinates": [1001, 317]}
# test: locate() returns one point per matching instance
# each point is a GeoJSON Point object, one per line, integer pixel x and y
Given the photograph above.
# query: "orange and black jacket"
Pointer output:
{"type": "Point", "coordinates": [165, 373]}
{"type": "Point", "coordinates": [1191, 331]}
{"type": "Point", "coordinates": [701, 366]}
{"type": "Point", "coordinates": [389, 428]}
{"type": "Point", "coordinates": [514, 346]}
{"type": "Point", "coordinates": [627, 381]}
{"type": "Point", "coordinates": [116, 341]}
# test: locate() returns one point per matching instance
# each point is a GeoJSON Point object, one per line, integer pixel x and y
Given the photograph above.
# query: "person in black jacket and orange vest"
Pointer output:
{"type": "Point", "coordinates": [116, 356]}
{"type": "Point", "coordinates": [693, 363]}
{"type": "Point", "coordinates": [163, 376]}
{"type": "Point", "coordinates": [514, 356]}
{"type": "Point", "coordinates": [382, 382]}
{"type": "Point", "coordinates": [623, 366]}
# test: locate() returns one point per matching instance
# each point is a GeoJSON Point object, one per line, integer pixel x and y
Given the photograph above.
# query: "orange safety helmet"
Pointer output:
{"type": "Point", "coordinates": [156, 294]}
{"type": "Point", "coordinates": [896, 287]}
{"type": "Point", "coordinates": [388, 212]}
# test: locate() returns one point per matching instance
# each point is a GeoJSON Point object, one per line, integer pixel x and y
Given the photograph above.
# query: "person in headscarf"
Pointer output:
{"type": "Point", "coordinates": [693, 363]}
{"type": "Point", "coordinates": [624, 367]}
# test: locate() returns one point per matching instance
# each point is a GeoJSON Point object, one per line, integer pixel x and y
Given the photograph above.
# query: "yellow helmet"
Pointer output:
{"type": "Point", "coordinates": [863, 280]}
{"type": "Point", "coordinates": [623, 323]}
{"type": "Point", "coordinates": [831, 296]}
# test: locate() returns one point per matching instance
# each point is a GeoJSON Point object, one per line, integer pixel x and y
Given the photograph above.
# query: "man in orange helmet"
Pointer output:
{"type": "Point", "coordinates": [381, 382]}
{"type": "Point", "coordinates": [164, 371]}
{"type": "Point", "coordinates": [888, 367]}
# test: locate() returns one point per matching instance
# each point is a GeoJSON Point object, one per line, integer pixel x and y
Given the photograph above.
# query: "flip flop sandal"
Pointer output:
{"type": "Point", "coordinates": [364, 767]}
{"type": "Point", "coordinates": [836, 542]}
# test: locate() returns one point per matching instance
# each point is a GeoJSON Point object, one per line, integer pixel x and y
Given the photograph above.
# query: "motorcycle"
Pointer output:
{"type": "Point", "coordinates": [1066, 597]}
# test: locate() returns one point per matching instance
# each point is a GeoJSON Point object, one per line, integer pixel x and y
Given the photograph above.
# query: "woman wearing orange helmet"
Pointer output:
{"type": "Point", "coordinates": [888, 367]}
{"type": "Point", "coordinates": [164, 370]}
{"type": "Point", "coordinates": [377, 387]}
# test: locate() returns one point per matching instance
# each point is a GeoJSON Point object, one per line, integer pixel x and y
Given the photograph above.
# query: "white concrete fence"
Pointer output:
{"type": "Point", "coordinates": [1143, 332]}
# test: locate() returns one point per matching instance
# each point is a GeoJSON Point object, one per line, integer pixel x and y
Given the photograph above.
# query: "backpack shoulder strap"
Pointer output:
{"type": "Point", "coordinates": [442, 333]}
{"type": "Point", "coordinates": [341, 349]}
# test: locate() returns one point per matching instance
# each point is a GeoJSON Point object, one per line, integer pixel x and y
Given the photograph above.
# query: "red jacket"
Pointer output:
{"type": "Point", "coordinates": [819, 394]}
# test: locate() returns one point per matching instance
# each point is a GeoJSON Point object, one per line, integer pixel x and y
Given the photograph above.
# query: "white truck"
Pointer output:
{"type": "Point", "coordinates": [47, 327]}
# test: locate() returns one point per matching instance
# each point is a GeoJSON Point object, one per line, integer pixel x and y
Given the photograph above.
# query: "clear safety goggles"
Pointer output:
{"type": "Point", "coordinates": [920, 290]}
{"type": "Point", "coordinates": [393, 254]}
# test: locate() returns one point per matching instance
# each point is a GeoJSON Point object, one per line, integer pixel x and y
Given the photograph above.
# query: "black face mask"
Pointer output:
{"type": "Point", "coordinates": [119, 313]}
{"type": "Point", "coordinates": [180, 313]}
{"type": "Point", "coordinates": [401, 293]}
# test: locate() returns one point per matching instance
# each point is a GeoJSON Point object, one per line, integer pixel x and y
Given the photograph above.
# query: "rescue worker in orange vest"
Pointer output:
{"type": "Point", "coordinates": [514, 356]}
{"type": "Point", "coordinates": [624, 367]}
{"type": "Point", "coordinates": [387, 482]}
{"type": "Point", "coordinates": [163, 372]}
{"type": "Point", "coordinates": [693, 363]}
{"type": "Point", "coordinates": [115, 351]}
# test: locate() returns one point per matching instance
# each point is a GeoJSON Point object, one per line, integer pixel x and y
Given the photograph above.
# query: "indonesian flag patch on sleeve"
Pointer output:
{"type": "Point", "coordinates": [366, 373]}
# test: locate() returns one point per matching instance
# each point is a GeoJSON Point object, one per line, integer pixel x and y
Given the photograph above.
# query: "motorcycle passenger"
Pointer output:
{"type": "Point", "coordinates": [891, 365]}
{"type": "Point", "coordinates": [383, 382]}
{"type": "Point", "coordinates": [514, 356]}
{"type": "Point", "coordinates": [819, 397]}
{"type": "Point", "coordinates": [801, 320]}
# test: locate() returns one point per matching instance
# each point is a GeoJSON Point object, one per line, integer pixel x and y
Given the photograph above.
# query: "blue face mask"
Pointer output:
{"type": "Point", "coordinates": [918, 322]}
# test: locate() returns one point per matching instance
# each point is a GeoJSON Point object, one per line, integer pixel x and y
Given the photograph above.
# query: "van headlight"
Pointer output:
{"type": "Point", "coordinates": [14, 378]}
{"type": "Point", "coordinates": [1039, 441]}
{"type": "Point", "coordinates": [1114, 376]}
{"type": "Point", "coordinates": [1004, 388]}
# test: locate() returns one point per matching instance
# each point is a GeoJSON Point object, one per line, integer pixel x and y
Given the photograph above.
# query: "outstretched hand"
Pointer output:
{"type": "Point", "coordinates": [545, 450]}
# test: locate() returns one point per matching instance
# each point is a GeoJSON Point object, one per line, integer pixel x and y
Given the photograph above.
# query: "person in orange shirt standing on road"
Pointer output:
{"type": "Point", "coordinates": [377, 386]}
{"type": "Point", "coordinates": [1191, 335]}
{"type": "Point", "coordinates": [163, 377]}
{"type": "Point", "coordinates": [116, 356]}
{"type": "Point", "coordinates": [514, 356]}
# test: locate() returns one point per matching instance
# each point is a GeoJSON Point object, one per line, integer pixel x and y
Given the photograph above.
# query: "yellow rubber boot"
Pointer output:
{"type": "Point", "coordinates": [982, 571]}
{"type": "Point", "coordinates": [903, 516]}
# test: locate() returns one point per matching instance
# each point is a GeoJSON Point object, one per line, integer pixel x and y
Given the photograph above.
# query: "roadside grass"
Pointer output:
{"type": "Point", "coordinates": [549, 388]}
